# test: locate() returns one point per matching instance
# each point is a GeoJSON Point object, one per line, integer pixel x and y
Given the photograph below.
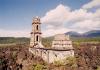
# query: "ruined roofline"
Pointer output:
{"type": "Point", "coordinates": [53, 49]}
{"type": "Point", "coordinates": [62, 34]}
{"type": "Point", "coordinates": [36, 17]}
{"type": "Point", "coordinates": [62, 40]}
{"type": "Point", "coordinates": [36, 20]}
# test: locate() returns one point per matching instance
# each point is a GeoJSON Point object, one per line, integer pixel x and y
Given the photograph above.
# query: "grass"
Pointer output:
{"type": "Point", "coordinates": [6, 45]}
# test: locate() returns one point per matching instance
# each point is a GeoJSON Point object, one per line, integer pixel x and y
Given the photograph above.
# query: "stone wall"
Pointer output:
{"type": "Point", "coordinates": [62, 41]}
{"type": "Point", "coordinates": [51, 55]}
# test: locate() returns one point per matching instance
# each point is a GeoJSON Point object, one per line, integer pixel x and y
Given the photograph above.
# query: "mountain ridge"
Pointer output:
{"type": "Point", "coordinates": [92, 33]}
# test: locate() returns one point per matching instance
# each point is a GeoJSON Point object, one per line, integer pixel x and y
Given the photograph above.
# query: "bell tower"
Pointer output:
{"type": "Point", "coordinates": [36, 32]}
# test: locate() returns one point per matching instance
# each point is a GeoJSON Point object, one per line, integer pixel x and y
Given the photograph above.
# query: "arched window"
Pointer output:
{"type": "Point", "coordinates": [37, 27]}
{"type": "Point", "coordinates": [37, 38]}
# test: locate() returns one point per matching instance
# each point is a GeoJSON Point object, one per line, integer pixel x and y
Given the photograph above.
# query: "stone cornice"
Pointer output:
{"type": "Point", "coordinates": [36, 33]}
{"type": "Point", "coordinates": [36, 23]}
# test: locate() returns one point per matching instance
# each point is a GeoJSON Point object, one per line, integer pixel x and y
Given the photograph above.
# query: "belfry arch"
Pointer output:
{"type": "Point", "coordinates": [37, 38]}
{"type": "Point", "coordinates": [37, 27]}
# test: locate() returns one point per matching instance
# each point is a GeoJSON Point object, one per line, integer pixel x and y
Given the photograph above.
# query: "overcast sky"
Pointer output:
{"type": "Point", "coordinates": [57, 16]}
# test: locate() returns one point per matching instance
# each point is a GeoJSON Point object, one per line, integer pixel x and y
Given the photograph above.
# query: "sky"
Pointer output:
{"type": "Point", "coordinates": [57, 16]}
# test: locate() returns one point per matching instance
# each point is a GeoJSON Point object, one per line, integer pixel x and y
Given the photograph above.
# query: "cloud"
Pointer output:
{"type": "Point", "coordinates": [97, 14]}
{"type": "Point", "coordinates": [52, 32]}
{"type": "Point", "coordinates": [59, 15]}
{"type": "Point", "coordinates": [82, 26]}
{"type": "Point", "coordinates": [93, 3]}
{"type": "Point", "coordinates": [62, 19]}
{"type": "Point", "coordinates": [54, 20]}
{"type": "Point", "coordinates": [13, 33]}
{"type": "Point", "coordinates": [78, 15]}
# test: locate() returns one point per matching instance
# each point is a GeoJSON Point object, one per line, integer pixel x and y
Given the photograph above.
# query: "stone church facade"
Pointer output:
{"type": "Point", "coordinates": [61, 45]}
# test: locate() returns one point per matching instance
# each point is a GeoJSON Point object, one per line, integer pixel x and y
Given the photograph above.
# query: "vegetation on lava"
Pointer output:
{"type": "Point", "coordinates": [17, 56]}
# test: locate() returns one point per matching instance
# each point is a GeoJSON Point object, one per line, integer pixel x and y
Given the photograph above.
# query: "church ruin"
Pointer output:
{"type": "Point", "coordinates": [36, 32]}
{"type": "Point", "coordinates": [62, 41]}
{"type": "Point", "coordinates": [61, 45]}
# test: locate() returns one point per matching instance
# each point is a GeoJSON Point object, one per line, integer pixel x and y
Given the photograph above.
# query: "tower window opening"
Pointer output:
{"type": "Point", "coordinates": [37, 27]}
{"type": "Point", "coordinates": [37, 38]}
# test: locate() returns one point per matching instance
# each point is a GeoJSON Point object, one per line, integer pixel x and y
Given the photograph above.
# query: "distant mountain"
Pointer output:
{"type": "Point", "coordinates": [92, 33]}
{"type": "Point", "coordinates": [73, 34]}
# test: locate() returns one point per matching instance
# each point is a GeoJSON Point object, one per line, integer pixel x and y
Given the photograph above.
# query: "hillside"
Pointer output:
{"type": "Point", "coordinates": [17, 57]}
{"type": "Point", "coordinates": [73, 34]}
{"type": "Point", "coordinates": [18, 40]}
{"type": "Point", "coordinates": [47, 42]}
{"type": "Point", "coordinates": [92, 33]}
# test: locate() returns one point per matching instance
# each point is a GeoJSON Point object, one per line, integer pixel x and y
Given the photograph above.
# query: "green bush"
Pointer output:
{"type": "Point", "coordinates": [98, 68]}
{"type": "Point", "coordinates": [38, 67]}
{"type": "Point", "coordinates": [58, 63]}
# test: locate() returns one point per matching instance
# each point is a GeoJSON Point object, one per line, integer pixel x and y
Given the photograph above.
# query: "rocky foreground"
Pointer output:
{"type": "Point", "coordinates": [17, 57]}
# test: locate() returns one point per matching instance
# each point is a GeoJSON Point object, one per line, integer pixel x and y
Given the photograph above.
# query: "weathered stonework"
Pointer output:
{"type": "Point", "coordinates": [51, 55]}
{"type": "Point", "coordinates": [62, 41]}
{"type": "Point", "coordinates": [36, 32]}
{"type": "Point", "coordinates": [61, 45]}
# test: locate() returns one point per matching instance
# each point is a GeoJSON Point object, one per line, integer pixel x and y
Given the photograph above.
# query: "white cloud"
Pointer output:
{"type": "Point", "coordinates": [97, 14]}
{"type": "Point", "coordinates": [59, 15]}
{"type": "Point", "coordinates": [78, 15]}
{"type": "Point", "coordinates": [14, 33]}
{"type": "Point", "coordinates": [62, 19]}
{"type": "Point", "coordinates": [51, 31]}
{"type": "Point", "coordinates": [86, 25]}
{"type": "Point", "coordinates": [93, 3]}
